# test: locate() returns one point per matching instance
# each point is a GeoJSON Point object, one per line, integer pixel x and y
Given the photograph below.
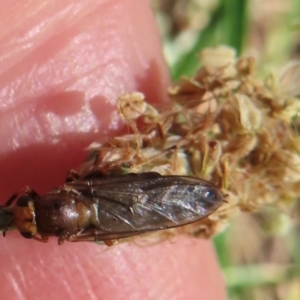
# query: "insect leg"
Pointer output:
{"type": "Point", "coordinates": [10, 201]}
{"type": "Point", "coordinates": [30, 192]}
{"type": "Point", "coordinates": [72, 176]}
{"type": "Point", "coordinates": [27, 191]}
{"type": "Point", "coordinates": [91, 238]}
{"type": "Point", "coordinates": [95, 234]}
{"type": "Point", "coordinates": [43, 239]}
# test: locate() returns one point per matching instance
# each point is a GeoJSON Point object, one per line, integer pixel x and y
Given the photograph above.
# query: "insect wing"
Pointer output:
{"type": "Point", "coordinates": [148, 201]}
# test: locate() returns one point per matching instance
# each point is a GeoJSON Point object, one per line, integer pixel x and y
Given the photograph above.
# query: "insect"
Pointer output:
{"type": "Point", "coordinates": [109, 208]}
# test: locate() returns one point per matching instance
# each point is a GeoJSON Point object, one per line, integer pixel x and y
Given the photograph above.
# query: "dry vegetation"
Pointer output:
{"type": "Point", "coordinates": [224, 125]}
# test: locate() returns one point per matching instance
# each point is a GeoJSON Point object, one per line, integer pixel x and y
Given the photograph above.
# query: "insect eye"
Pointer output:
{"type": "Point", "coordinates": [26, 235]}
{"type": "Point", "coordinates": [23, 201]}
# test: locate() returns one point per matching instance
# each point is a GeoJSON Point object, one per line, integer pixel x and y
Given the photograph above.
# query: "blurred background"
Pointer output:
{"type": "Point", "coordinates": [259, 253]}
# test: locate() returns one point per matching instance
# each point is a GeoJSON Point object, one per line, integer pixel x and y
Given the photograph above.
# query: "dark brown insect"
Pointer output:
{"type": "Point", "coordinates": [108, 208]}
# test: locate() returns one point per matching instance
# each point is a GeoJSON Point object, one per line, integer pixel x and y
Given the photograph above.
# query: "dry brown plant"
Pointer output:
{"type": "Point", "coordinates": [225, 125]}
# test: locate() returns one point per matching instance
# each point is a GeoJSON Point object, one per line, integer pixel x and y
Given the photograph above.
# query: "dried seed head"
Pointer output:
{"type": "Point", "coordinates": [225, 125]}
{"type": "Point", "coordinates": [132, 105]}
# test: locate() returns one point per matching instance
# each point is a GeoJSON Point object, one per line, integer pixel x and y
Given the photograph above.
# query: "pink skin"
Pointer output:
{"type": "Point", "coordinates": [63, 65]}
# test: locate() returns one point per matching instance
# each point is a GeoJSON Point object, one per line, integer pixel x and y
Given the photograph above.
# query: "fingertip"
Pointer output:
{"type": "Point", "coordinates": [59, 85]}
{"type": "Point", "coordinates": [84, 57]}
{"type": "Point", "coordinates": [181, 269]}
